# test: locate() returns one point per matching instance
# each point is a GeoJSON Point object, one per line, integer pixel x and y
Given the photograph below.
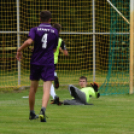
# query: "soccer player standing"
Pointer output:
{"type": "Point", "coordinates": [62, 48]}
{"type": "Point", "coordinates": [45, 39]}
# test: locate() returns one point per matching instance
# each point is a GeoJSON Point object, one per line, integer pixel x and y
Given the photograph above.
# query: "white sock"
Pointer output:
{"type": "Point", "coordinates": [52, 91]}
{"type": "Point", "coordinates": [55, 74]}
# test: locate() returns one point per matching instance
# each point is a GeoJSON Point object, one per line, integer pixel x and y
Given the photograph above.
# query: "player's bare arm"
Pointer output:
{"type": "Point", "coordinates": [24, 45]}
{"type": "Point", "coordinates": [65, 52]}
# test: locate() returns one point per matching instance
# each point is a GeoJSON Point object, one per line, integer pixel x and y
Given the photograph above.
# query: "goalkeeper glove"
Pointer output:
{"type": "Point", "coordinates": [95, 86]}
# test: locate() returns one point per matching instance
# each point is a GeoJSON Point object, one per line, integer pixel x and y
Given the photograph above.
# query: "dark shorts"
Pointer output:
{"type": "Point", "coordinates": [55, 65]}
{"type": "Point", "coordinates": [46, 73]}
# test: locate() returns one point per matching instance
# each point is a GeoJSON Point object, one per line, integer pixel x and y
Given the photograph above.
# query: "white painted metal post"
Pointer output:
{"type": "Point", "coordinates": [94, 61]}
{"type": "Point", "coordinates": [18, 41]}
{"type": "Point", "coordinates": [131, 46]}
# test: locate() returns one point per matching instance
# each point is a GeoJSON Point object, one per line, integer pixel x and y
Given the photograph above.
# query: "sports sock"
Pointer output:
{"type": "Point", "coordinates": [32, 111]}
{"type": "Point", "coordinates": [43, 108]}
{"type": "Point", "coordinates": [52, 92]}
{"type": "Point", "coordinates": [55, 74]}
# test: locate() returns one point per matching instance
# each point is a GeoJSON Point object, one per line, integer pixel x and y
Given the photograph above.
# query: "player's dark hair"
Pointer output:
{"type": "Point", "coordinates": [83, 77]}
{"type": "Point", "coordinates": [57, 26]}
{"type": "Point", "coordinates": [45, 16]}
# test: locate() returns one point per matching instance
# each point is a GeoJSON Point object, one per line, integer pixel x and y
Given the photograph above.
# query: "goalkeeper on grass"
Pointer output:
{"type": "Point", "coordinates": [81, 96]}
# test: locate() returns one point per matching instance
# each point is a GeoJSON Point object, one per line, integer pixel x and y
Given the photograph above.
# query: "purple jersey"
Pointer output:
{"type": "Point", "coordinates": [45, 39]}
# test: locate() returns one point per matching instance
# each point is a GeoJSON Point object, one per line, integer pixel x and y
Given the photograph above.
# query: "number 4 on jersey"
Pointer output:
{"type": "Point", "coordinates": [44, 40]}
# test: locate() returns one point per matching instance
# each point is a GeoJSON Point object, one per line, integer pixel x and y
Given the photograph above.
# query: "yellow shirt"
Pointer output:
{"type": "Point", "coordinates": [56, 53]}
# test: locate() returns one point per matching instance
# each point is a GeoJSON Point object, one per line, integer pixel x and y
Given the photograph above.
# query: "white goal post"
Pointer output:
{"type": "Point", "coordinates": [131, 46]}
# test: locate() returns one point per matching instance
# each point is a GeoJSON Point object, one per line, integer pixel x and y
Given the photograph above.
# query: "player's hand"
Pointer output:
{"type": "Point", "coordinates": [66, 53]}
{"type": "Point", "coordinates": [32, 49]}
{"type": "Point", "coordinates": [19, 56]}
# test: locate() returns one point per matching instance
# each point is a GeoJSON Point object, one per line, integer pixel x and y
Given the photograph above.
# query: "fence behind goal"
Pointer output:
{"type": "Point", "coordinates": [96, 36]}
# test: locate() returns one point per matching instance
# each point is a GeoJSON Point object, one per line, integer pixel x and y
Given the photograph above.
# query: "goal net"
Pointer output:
{"type": "Point", "coordinates": [95, 34]}
{"type": "Point", "coordinates": [114, 48]}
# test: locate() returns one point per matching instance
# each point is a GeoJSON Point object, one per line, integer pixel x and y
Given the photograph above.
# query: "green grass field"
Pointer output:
{"type": "Point", "coordinates": [109, 115]}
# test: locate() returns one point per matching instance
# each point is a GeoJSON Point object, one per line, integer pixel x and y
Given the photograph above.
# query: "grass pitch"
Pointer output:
{"type": "Point", "coordinates": [109, 115]}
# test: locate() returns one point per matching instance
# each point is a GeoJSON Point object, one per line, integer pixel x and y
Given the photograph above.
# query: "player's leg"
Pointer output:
{"type": "Point", "coordinates": [77, 94]}
{"type": "Point", "coordinates": [52, 91]}
{"type": "Point", "coordinates": [56, 82]}
{"type": "Point", "coordinates": [33, 89]}
{"type": "Point", "coordinates": [47, 75]}
{"type": "Point", "coordinates": [56, 79]}
{"type": "Point", "coordinates": [73, 102]}
{"type": "Point", "coordinates": [34, 77]}
{"type": "Point", "coordinates": [53, 94]}
{"type": "Point", "coordinates": [45, 99]}
{"type": "Point", "coordinates": [46, 91]}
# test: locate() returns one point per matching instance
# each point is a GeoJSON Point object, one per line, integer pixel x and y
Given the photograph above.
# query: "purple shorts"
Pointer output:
{"type": "Point", "coordinates": [46, 73]}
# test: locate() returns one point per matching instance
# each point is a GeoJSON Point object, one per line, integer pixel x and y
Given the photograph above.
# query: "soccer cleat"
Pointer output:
{"type": "Point", "coordinates": [33, 116]}
{"type": "Point", "coordinates": [56, 82]}
{"type": "Point", "coordinates": [42, 116]}
{"type": "Point", "coordinates": [56, 101]}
